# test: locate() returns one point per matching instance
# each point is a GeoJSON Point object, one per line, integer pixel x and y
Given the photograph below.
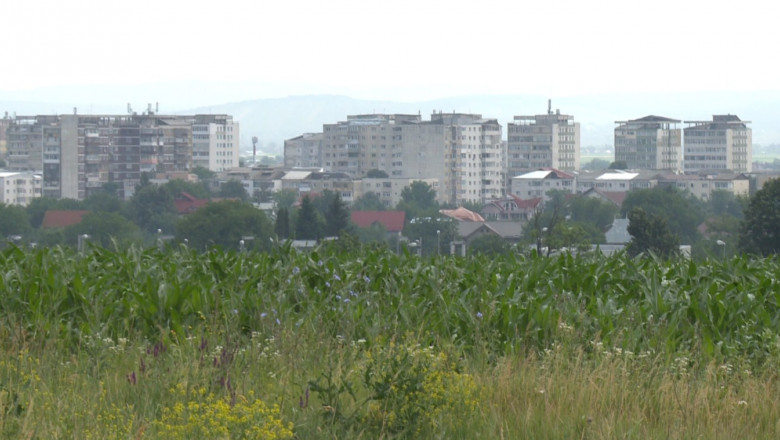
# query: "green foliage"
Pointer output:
{"type": "Point", "coordinates": [203, 173]}
{"type": "Point", "coordinates": [152, 208]}
{"type": "Point", "coordinates": [418, 200]}
{"type": "Point", "coordinates": [760, 231]}
{"type": "Point", "coordinates": [224, 224]}
{"type": "Point", "coordinates": [337, 217]}
{"type": "Point", "coordinates": [594, 211]}
{"type": "Point", "coordinates": [376, 174]}
{"type": "Point", "coordinates": [178, 186]}
{"type": "Point", "coordinates": [233, 189]}
{"type": "Point", "coordinates": [105, 229]}
{"type": "Point", "coordinates": [489, 244]}
{"type": "Point", "coordinates": [13, 221]}
{"type": "Point", "coordinates": [649, 233]}
{"type": "Point", "coordinates": [285, 198]}
{"type": "Point", "coordinates": [425, 230]}
{"type": "Point", "coordinates": [618, 165]}
{"type": "Point", "coordinates": [682, 212]}
{"type": "Point", "coordinates": [104, 202]}
{"type": "Point", "coordinates": [282, 224]}
{"type": "Point", "coordinates": [308, 222]}
{"type": "Point", "coordinates": [369, 201]}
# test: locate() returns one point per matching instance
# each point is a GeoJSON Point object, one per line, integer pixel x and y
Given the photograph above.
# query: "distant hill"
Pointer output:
{"type": "Point", "coordinates": [277, 119]}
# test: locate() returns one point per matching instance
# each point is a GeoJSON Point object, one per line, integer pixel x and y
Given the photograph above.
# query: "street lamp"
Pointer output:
{"type": "Point", "coordinates": [722, 244]}
{"type": "Point", "coordinates": [438, 242]}
{"type": "Point", "coordinates": [82, 239]}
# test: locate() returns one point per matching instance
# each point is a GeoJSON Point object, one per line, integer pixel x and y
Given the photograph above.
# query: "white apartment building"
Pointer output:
{"type": "Point", "coordinates": [19, 188]}
{"type": "Point", "coordinates": [649, 143]}
{"type": "Point", "coordinates": [215, 142]}
{"type": "Point", "coordinates": [725, 143]}
{"type": "Point", "coordinates": [551, 140]}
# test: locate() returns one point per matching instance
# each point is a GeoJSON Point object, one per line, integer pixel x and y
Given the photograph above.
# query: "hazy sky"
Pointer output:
{"type": "Point", "coordinates": [397, 50]}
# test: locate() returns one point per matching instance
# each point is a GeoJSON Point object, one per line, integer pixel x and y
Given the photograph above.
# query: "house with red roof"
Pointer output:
{"type": "Point", "coordinates": [61, 219]}
{"type": "Point", "coordinates": [392, 221]}
{"type": "Point", "coordinates": [186, 203]}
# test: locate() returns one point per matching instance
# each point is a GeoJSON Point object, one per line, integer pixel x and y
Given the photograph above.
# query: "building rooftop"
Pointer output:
{"type": "Point", "coordinates": [393, 221]}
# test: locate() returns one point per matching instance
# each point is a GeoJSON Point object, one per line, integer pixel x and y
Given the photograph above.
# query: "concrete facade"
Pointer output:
{"type": "Point", "coordinates": [543, 141]}
{"type": "Point", "coordinates": [464, 153]}
{"type": "Point", "coordinates": [649, 143]}
{"type": "Point", "coordinates": [303, 151]}
{"type": "Point", "coordinates": [19, 188]}
{"type": "Point", "coordinates": [79, 154]}
{"type": "Point", "coordinates": [215, 142]}
{"type": "Point", "coordinates": [725, 143]}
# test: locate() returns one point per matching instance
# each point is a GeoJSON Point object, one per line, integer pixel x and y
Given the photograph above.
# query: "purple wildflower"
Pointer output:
{"type": "Point", "coordinates": [479, 315]}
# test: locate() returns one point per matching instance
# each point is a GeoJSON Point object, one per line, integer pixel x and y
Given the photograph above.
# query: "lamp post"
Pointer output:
{"type": "Point", "coordinates": [82, 239]}
{"type": "Point", "coordinates": [438, 242]}
{"type": "Point", "coordinates": [722, 244]}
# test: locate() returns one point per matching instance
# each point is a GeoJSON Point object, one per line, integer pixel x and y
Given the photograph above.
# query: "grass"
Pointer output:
{"type": "Point", "coordinates": [143, 344]}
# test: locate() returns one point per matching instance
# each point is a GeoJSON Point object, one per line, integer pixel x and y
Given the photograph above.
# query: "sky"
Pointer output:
{"type": "Point", "coordinates": [196, 52]}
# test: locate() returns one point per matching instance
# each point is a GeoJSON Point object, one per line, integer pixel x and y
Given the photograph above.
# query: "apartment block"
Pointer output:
{"type": "Point", "coordinates": [649, 143]}
{"type": "Point", "coordinates": [19, 188]}
{"type": "Point", "coordinates": [215, 142]}
{"type": "Point", "coordinates": [463, 152]}
{"type": "Point", "coordinates": [79, 154]}
{"type": "Point", "coordinates": [303, 151]}
{"type": "Point", "coordinates": [551, 140]}
{"type": "Point", "coordinates": [725, 143]}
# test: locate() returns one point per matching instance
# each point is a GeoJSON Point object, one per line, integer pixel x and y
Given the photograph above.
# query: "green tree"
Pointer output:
{"type": "Point", "coordinates": [760, 230]}
{"type": "Point", "coordinates": [337, 218]}
{"type": "Point", "coordinates": [596, 165]}
{"type": "Point", "coordinates": [203, 173]}
{"type": "Point", "coordinates": [308, 222]}
{"type": "Point", "coordinates": [285, 198]}
{"type": "Point", "coordinates": [590, 210]}
{"type": "Point", "coordinates": [195, 189]}
{"type": "Point", "coordinates": [233, 189]}
{"type": "Point", "coordinates": [13, 221]}
{"type": "Point", "coordinates": [418, 200]}
{"type": "Point", "coordinates": [282, 225]}
{"type": "Point", "coordinates": [650, 233]}
{"type": "Point", "coordinates": [103, 228]}
{"type": "Point", "coordinates": [425, 229]}
{"type": "Point", "coordinates": [618, 165]}
{"type": "Point", "coordinates": [104, 202]}
{"type": "Point", "coordinates": [489, 244]}
{"type": "Point", "coordinates": [225, 224]}
{"type": "Point", "coordinates": [152, 208]}
{"type": "Point", "coordinates": [369, 201]}
{"type": "Point", "coordinates": [376, 174]}
{"type": "Point", "coordinates": [682, 211]}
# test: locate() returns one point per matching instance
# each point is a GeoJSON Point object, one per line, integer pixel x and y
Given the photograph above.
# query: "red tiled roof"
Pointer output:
{"type": "Point", "coordinates": [526, 204]}
{"type": "Point", "coordinates": [462, 214]}
{"type": "Point", "coordinates": [186, 203]}
{"type": "Point", "coordinates": [393, 221]}
{"type": "Point", "coordinates": [61, 219]}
